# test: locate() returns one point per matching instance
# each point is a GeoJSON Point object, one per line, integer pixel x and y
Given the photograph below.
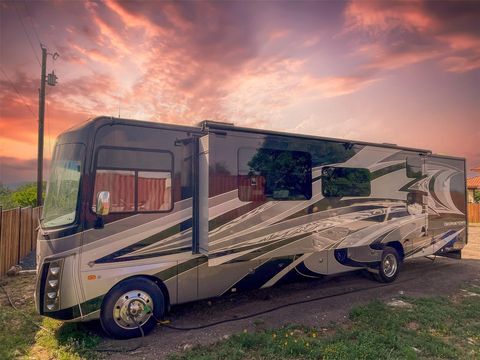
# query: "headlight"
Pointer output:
{"type": "Point", "coordinates": [54, 270]}
{"type": "Point", "coordinates": [52, 288]}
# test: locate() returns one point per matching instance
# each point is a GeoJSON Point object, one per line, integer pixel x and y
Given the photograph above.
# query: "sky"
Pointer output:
{"type": "Point", "coordinates": [398, 72]}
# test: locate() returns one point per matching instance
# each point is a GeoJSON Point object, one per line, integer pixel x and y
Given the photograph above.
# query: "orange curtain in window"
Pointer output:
{"type": "Point", "coordinates": [152, 194]}
{"type": "Point", "coordinates": [121, 187]}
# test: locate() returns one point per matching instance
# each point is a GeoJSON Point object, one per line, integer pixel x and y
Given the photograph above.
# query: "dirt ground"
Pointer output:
{"type": "Point", "coordinates": [20, 289]}
{"type": "Point", "coordinates": [422, 277]}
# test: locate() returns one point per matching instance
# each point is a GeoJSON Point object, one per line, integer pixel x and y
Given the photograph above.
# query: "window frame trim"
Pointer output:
{"type": "Point", "coordinates": [345, 167]}
{"type": "Point", "coordinates": [171, 171]}
{"type": "Point", "coordinates": [267, 199]}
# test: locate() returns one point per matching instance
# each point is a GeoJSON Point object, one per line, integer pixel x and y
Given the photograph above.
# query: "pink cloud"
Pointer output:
{"type": "Point", "coordinates": [379, 17]}
{"type": "Point", "coordinates": [133, 20]}
{"type": "Point", "coordinates": [408, 32]}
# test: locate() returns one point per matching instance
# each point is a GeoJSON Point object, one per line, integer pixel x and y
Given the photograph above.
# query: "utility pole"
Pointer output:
{"type": "Point", "coordinates": [41, 120]}
{"type": "Point", "coordinates": [52, 81]}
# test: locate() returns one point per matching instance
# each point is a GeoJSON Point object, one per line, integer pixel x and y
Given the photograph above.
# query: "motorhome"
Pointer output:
{"type": "Point", "coordinates": [140, 215]}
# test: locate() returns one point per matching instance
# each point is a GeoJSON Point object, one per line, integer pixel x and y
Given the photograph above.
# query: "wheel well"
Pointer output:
{"type": "Point", "coordinates": [157, 282]}
{"type": "Point", "coordinates": [397, 246]}
{"type": "Point", "coordinates": [162, 287]}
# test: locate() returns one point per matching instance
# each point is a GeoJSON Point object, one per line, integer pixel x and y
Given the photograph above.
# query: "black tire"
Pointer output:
{"type": "Point", "coordinates": [148, 293]}
{"type": "Point", "coordinates": [389, 266]}
{"type": "Point", "coordinates": [368, 275]}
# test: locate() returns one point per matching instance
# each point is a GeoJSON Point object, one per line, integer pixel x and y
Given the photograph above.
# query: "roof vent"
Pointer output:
{"type": "Point", "coordinates": [211, 123]}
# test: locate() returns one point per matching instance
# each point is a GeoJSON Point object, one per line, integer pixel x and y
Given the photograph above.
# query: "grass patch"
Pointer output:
{"type": "Point", "coordinates": [437, 327]}
{"type": "Point", "coordinates": [21, 338]}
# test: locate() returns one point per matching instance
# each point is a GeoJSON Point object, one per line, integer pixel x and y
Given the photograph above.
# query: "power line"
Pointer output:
{"type": "Point", "coordinates": [26, 34]}
{"type": "Point", "coordinates": [18, 93]}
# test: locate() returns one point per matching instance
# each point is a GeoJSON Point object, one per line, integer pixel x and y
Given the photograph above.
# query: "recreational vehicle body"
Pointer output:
{"type": "Point", "coordinates": [141, 215]}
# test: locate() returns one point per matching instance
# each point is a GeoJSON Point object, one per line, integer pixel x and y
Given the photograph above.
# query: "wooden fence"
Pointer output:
{"type": "Point", "coordinates": [473, 213]}
{"type": "Point", "coordinates": [18, 235]}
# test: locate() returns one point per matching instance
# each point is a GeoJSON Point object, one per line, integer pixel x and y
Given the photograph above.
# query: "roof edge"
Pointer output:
{"type": "Point", "coordinates": [207, 124]}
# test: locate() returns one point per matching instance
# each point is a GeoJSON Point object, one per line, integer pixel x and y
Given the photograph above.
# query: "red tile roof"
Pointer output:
{"type": "Point", "coordinates": [473, 183]}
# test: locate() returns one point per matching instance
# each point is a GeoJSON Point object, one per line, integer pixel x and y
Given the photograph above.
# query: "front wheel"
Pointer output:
{"type": "Point", "coordinates": [129, 305]}
{"type": "Point", "coordinates": [389, 266]}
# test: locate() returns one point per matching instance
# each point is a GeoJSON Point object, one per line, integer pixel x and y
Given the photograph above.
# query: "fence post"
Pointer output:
{"type": "Point", "coordinates": [19, 245]}
{"type": "Point", "coordinates": [32, 228]}
{"type": "Point", "coordinates": [1, 221]}
{"type": "Point", "coordinates": [1, 241]}
{"type": "Point", "coordinates": [30, 248]}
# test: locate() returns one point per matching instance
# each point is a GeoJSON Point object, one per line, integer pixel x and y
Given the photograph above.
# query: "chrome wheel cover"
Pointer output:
{"type": "Point", "coordinates": [135, 304]}
{"type": "Point", "coordinates": [389, 265]}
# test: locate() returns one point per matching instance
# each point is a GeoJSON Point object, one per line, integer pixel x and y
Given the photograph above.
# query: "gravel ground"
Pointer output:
{"type": "Point", "coordinates": [421, 277]}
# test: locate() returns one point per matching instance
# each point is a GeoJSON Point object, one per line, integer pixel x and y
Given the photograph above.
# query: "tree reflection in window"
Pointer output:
{"type": "Point", "coordinates": [277, 174]}
{"type": "Point", "coordinates": [341, 181]}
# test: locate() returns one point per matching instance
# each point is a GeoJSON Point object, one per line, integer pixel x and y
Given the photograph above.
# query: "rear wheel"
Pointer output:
{"type": "Point", "coordinates": [133, 303]}
{"type": "Point", "coordinates": [389, 266]}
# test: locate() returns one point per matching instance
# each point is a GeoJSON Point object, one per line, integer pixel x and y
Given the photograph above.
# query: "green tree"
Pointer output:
{"type": "Point", "coordinates": [476, 196]}
{"type": "Point", "coordinates": [6, 201]}
{"type": "Point", "coordinates": [25, 195]}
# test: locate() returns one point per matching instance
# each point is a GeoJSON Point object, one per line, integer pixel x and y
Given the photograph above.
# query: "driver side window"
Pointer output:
{"type": "Point", "coordinates": [137, 180]}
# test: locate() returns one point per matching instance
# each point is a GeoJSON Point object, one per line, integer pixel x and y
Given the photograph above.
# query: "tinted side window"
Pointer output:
{"type": "Point", "coordinates": [269, 174]}
{"type": "Point", "coordinates": [117, 158]}
{"type": "Point", "coordinates": [414, 167]}
{"type": "Point", "coordinates": [138, 180]}
{"type": "Point", "coordinates": [154, 191]}
{"type": "Point", "coordinates": [340, 181]}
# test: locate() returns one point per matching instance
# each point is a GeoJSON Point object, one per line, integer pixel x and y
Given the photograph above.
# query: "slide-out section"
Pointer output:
{"type": "Point", "coordinates": [203, 178]}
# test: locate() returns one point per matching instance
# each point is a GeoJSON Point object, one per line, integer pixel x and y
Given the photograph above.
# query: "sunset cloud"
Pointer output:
{"type": "Point", "coordinates": [341, 69]}
{"type": "Point", "coordinates": [401, 33]}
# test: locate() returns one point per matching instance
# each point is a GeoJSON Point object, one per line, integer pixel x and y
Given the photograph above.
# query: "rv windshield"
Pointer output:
{"type": "Point", "coordinates": [62, 190]}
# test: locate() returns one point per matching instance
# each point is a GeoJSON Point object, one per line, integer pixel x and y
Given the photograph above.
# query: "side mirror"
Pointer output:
{"type": "Point", "coordinates": [103, 208]}
{"type": "Point", "coordinates": [103, 203]}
